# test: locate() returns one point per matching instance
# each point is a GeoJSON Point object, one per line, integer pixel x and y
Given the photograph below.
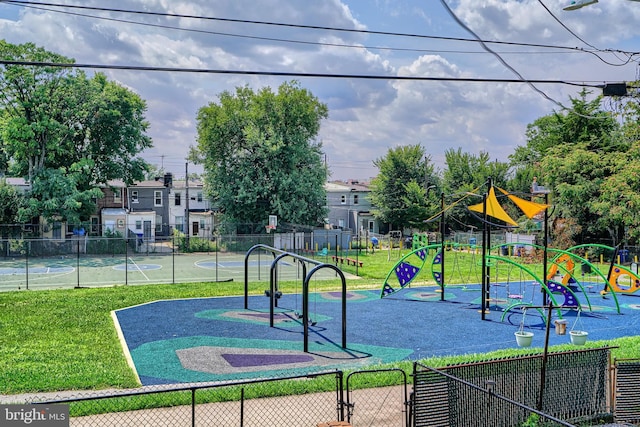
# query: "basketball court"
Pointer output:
{"type": "Point", "coordinates": [139, 269]}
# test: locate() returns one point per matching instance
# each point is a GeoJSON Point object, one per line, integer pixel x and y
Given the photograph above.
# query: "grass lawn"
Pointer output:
{"type": "Point", "coordinates": [65, 339]}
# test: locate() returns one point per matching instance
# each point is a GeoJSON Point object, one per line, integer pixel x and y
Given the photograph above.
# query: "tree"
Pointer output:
{"type": "Point", "coordinates": [62, 128]}
{"type": "Point", "coordinates": [10, 204]}
{"type": "Point", "coordinates": [619, 201]}
{"type": "Point", "coordinates": [400, 192]}
{"type": "Point", "coordinates": [469, 172]}
{"type": "Point", "coordinates": [260, 155]}
{"type": "Point", "coordinates": [585, 145]}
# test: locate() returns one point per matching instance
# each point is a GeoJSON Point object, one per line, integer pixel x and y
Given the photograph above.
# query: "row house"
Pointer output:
{"type": "Point", "coordinates": [154, 209]}
{"type": "Point", "coordinates": [148, 208]}
{"type": "Point", "coordinates": [190, 210]}
{"type": "Point", "coordinates": [349, 208]}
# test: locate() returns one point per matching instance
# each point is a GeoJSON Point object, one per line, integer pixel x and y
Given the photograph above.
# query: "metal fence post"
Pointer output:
{"type": "Point", "coordinates": [126, 261]}
{"type": "Point", "coordinates": [26, 258]}
{"type": "Point", "coordinates": [193, 407]}
{"type": "Point", "coordinates": [173, 260]}
{"type": "Point", "coordinates": [339, 379]}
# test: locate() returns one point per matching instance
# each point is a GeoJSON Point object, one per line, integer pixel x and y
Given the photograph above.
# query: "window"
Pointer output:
{"type": "Point", "coordinates": [199, 196]}
{"type": "Point", "coordinates": [341, 223]}
{"type": "Point", "coordinates": [343, 199]}
{"type": "Point", "coordinates": [157, 198]}
{"type": "Point", "coordinates": [355, 199]}
{"type": "Point", "coordinates": [95, 224]}
{"type": "Point", "coordinates": [138, 225]}
{"type": "Point", "coordinates": [180, 223]}
{"type": "Point", "coordinates": [202, 224]}
{"type": "Point", "coordinates": [158, 220]}
{"type": "Point", "coordinates": [178, 199]}
{"type": "Point", "coordinates": [134, 196]}
{"type": "Point", "coordinates": [117, 195]}
{"type": "Point", "coordinates": [371, 229]}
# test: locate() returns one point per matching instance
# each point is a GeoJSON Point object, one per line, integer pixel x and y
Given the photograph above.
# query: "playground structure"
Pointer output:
{"type": "Point", "coordinates": [515, 276]}
{"type": "Point", "coordinates": [273, 292]}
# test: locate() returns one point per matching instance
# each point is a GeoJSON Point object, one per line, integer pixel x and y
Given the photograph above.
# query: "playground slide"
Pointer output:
{"type": "Point", "coordinates": [569, 266]}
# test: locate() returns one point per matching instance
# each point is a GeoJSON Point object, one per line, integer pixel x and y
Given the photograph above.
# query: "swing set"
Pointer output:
{"type": "Point", "coordinates": [521, 285]}
{"type": "Point", "coordinates": [568, 282]}
{"type": "Point", "coordinates": [273, 293]}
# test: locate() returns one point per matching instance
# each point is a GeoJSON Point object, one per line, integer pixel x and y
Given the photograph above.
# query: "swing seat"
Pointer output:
{"type": "Point", "coordinates": [277, 294]}
{"type": "Point", "coordinates": [515, 296]}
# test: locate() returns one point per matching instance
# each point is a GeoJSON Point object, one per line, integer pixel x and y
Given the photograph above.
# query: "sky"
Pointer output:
{"type": "Point", "coordinates": [469, 110]}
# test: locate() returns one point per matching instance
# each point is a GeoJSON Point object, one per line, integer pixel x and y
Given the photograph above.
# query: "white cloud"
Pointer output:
{"type": "Point", "coordinates": [366, 116]}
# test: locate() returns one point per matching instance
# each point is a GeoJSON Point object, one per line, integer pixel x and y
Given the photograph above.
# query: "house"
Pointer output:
{"type": "Point", "coordinates": [20, 184]}
{"type": "Point", "coordinates": [189, 210]}
{"type": "Point", "coordinates": [109, 209]}
{"type": "Point", "coordinates": [150, 198]}
{"type": "Point", "coordinates": [113, 222]}
{"type": "Point", "coordinates": [350, 209]}
{"type": "Point", "coordinates": [143, 225]}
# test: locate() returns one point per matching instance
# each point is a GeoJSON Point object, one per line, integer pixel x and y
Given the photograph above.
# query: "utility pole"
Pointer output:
{"type": "Point", "coordinates": [187, 230]}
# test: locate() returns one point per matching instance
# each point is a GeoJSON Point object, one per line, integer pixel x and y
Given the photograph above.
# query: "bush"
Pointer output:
{"type": "Point", "coordinates": [193, 244]}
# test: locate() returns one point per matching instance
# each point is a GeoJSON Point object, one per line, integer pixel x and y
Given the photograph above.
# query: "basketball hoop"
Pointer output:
{"type": "Point", "coordinates": [269, 227]}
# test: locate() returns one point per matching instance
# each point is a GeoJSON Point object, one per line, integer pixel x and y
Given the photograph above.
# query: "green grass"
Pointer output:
{"type": "Point", "coordinates": [65, 339]}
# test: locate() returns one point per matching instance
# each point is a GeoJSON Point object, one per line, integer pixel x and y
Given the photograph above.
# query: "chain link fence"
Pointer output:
{"type": "Point", "coordinates": [567, 386]}
{"type": "Point", "coordinates": [296, 400]}
{"type": "Point", "coordinates": [85, 261]}
{"type": "Point", "coordinates": [501, 392]}
{"type": "Point", "coordinates": [377, 398]}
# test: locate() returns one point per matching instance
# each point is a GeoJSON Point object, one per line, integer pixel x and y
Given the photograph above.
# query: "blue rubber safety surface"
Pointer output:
{"type": "Point", "coordinates": [216, 339]}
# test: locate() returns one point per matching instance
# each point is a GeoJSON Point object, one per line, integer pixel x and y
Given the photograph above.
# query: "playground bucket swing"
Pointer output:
{"type": "Point", "coordinates": [523, 338]}
{"type": "Point", "coordinates": [578, 336]}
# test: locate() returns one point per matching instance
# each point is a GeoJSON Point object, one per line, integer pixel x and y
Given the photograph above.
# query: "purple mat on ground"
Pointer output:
{"type": "Point", "coordinates": [246, 360]}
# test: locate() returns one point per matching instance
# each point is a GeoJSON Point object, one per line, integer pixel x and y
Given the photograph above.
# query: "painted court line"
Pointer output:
{"type": "Point", "coordinates": [139, 269]}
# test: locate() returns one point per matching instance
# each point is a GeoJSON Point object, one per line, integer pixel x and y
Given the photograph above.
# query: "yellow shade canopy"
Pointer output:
{"type": "Point", "coordinates": [494, 209]}
{"type": "Point", "coordinates": [529, 208]}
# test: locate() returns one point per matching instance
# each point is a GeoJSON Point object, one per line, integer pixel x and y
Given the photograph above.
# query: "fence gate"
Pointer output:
{"type": "Point", "coordinates": [627, 390]}
{"type": "Point", "coordinates": [574, 388]}
{"type": "Point", "coordinates": [368, 404]}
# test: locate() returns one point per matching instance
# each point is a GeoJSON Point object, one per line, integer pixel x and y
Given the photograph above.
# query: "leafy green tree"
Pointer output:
{"type": "Point", "coordinates": [619, 199]}
{"type": "Point", "coordinates": [260, 155]}
{"type": "Point", "coordinates": [11, 201]}
{"type": "Point", "coordinates": [585, 145]}
{"type": "Point", "coordinates": [33, 106]}
{"type": "Point", "coordinates": [401, 191]}
{"type": "Point", "coordinates": [61, 128]}
{"type": "Point", "coordinates": [467, 174]}
{"type": "Point", "coordinates": [60, 196]}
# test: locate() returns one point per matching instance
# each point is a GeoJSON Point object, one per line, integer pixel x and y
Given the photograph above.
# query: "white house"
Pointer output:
{"type": "Point", "coordinates": [189, 209]}
{"type": "Point", "coordinates": [143, 225]}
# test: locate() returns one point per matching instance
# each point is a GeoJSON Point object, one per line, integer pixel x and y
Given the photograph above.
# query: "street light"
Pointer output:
{"type": "Point", "coordinates": [577, 4]}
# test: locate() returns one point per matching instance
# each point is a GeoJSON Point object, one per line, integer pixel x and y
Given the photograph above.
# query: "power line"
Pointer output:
{"type": "Point", "coordinates": [530, 83]}
{"type": "Point", "coordinates": [312, 43]}
{"type": "Point", "coordinates": [279, 24]}
{"type": "Point", "coordinates": [629, 56]}
{"type": "Point", "coordinates": [293, 73]}
{"type": "Point", "coordinates": [498, 57]}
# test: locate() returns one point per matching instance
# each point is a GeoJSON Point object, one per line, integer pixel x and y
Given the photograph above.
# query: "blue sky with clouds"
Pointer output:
{"type": "Point", "coordinates": [366, 117]}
